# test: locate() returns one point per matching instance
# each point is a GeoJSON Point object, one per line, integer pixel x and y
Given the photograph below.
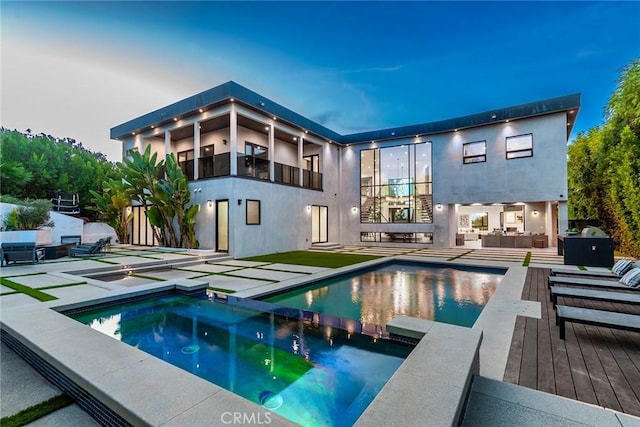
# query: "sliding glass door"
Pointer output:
{"type": "Point", "coordinates": [319, 224]}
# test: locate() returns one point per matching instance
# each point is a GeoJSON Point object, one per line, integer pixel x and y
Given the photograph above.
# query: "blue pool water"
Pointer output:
{"type": "Point", "coordinates": [296, 367]}
{"type": "Point", "coordinates": [442, 293]}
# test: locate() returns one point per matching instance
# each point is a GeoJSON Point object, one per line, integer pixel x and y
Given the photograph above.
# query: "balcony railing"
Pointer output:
{"type": "Point", "coordinates": [212, 166]}
{"type": "Point", "coordinates": [219, 165]}
{"type": "Point", "coordinates": [187, 168]}
{"type": "Point", "coordinates": [286, 174]}
{"type": "Point", "coordinates": [253, 166]}
{"type": "Point", "coordinates": [312, 180]}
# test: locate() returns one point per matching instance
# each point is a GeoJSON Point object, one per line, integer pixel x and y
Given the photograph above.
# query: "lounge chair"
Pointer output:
{"type": "Point", "coordinates": [88, 250]}
{"type": "Point", "coordinates": [587, 316]}
{"type": "Point", "coordinates": [599, 283]}
{"type": "Point", "coordinates": [592, 294]}
{"type": "Point", "coordinates": [617, 271]}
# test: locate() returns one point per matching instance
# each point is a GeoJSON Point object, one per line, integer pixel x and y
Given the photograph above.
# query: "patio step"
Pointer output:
{"type": "Point", "coordinates": [326, 245]}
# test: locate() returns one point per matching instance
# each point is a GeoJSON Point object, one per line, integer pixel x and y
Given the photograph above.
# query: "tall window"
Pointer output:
{"type": "Point", "coordinates": [395, 184]}
{"type": "Point", "coordinates": [474, 152]}
{"type": "Point", "coordinates": [519, 146]}
{"type": "Point", "coordinates": [185, 161]}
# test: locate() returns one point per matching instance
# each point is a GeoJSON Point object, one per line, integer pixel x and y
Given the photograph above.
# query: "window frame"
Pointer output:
{"type": "Point", "coordinates": [251, 201]}
{"type": "Point", "coordinates": [518, 151]}
{"type": "Point", "coordinates": [469, 159]}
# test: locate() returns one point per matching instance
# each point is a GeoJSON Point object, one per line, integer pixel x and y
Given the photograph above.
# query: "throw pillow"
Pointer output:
{"type": "Point", "coordinates": [632, 278]}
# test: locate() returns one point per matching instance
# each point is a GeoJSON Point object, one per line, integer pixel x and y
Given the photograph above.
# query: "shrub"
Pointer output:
{"type": "Point", "coordinates": [31, 215]}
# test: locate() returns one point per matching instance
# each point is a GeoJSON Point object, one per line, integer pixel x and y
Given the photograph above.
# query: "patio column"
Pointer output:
{"type": "Point", "coordinates": [196, 149]}
{"type": "Point", "coordinates": [272, 139]}
{"type": "Point", "coordinates": [300, 156]}
{"type": "Point", "coordinates": [167, 143]}
{"type": "Point", "coordinates": [233, 137]}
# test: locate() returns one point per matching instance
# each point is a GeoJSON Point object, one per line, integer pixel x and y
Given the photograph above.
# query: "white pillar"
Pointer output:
{"type": "Point", "coordinates": [233, 136]}
{"type": "Point", "coordinates": [167, 143]}
{"type": "Point", "coordinates": [196, 150]}
{"type": "Point", "coordinates": [300, 163]}
{"type": "Point", "coordinates": [549, 225]}
{"type": "Point", "coordinates": [272, 143]}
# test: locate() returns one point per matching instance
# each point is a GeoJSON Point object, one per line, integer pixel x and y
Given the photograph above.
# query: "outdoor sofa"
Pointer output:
{"type": "Point", "coordinates": [13, 252]}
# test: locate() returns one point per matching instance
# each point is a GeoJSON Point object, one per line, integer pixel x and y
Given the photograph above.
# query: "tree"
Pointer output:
{"type": "Point", "coordinates": [162, 188]}
{"type": "Point", "coordinates": [112, 205]}
{"type": "Point", "coordinates": [604, 166]}
{"type": "Point", "coordinates": [52, 164]}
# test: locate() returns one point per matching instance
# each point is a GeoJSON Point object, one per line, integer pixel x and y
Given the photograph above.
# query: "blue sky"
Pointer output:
{"type": "Point", "coordinates": [79, 68]}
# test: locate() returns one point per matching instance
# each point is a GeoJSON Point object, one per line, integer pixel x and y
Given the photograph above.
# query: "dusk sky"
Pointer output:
{"type": "Point", "coordinates": [76, 69]}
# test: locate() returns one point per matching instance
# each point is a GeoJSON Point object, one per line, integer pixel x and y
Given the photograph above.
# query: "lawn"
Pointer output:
{"type": "Point", "coordinates": [313, 258]}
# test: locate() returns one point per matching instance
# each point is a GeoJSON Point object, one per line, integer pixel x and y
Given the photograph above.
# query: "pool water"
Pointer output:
{"type": "Point", "coordinates": [446, 294]}
{"type": "Point", "coordinates": [304, 371]}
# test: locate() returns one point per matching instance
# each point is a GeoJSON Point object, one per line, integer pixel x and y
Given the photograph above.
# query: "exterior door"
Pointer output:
{"type": "Point", "coordinates": [319, 224]}
{"type": "Point", "coordinates": [222, 225]}
{"type": "Point", "coordinates": [141, 231]}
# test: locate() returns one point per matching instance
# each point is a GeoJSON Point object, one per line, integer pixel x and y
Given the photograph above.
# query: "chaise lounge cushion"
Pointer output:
{"type": "Point", "coordinates": [621, 267]}
{"type": "Point", "coordinates": [632, 278]}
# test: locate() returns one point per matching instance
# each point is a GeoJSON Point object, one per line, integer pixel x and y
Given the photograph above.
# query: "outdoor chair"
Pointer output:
{"type": "Point", "coordinates": [587, 316]}
{"type": "Point", "coordinates": [88, 250]}
{"type": "Point", "coordinates": [630, 281]}
{"type": "Point", "coordinates": [617, 271]}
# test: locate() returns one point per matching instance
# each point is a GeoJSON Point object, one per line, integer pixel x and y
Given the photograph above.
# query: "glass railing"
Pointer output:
{"type": "Point", "coordinates": [253, 166]}
{"type": "Point", "coordinates": [286, 174]}
{"type": "Point", "coordinates": [187, 169]}
{"type": "Point", "coordinates": [212, 166]}
{"type": "Point", "coordinates": [312, 180]}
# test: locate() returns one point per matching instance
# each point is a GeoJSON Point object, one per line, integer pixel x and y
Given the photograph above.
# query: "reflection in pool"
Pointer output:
{"type": "Point", "coordinates": [447, 294]}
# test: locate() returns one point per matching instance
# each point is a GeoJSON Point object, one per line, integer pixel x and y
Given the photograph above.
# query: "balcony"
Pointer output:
{"type": "Point", "coordinates": [312, 180]}
{"type": "Point", "coordinates": [213, 166]}
{"type": "Point", "coordinates": [286, 174]}
{"type": "Point", "coordinates": [252, 166]}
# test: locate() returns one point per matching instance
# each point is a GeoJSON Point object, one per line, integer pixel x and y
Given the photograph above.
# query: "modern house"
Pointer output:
{"type": "Point", "coordinates": [269, 180]}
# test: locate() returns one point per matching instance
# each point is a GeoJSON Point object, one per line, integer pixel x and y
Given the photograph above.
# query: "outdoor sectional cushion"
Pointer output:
{"type": "Point", "coordinates": [632, 278]}
{"type": "Point", "coordinates": [621, 267]}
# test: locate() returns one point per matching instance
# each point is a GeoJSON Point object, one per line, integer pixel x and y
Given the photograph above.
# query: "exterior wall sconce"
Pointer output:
{"type": "Point", "coordinates": [354, 209]}
{"type": "Point", "coordinates": [308, 208]}
{"type": "Point", "coordinates": [210, 203]}
{"type": "Point", "coordinates": [239, 202]}
{"type": "Point", "coordinates": [535, 212]}
{"type": "Point", "coordinates": [439, 207]}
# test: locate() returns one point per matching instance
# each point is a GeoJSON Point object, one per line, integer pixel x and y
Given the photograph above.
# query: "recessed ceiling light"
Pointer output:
{"type": "Point", "coordinates": [295, 138]}
{"type": "Point", "coordinates": [232, 100]}
{"type": "Point", "coordinates": [175, 119]}
{"type": "Point", "coordinates": [266, 128]}
{"type": "Point", "coordinates": [133, 133]}
{"type": "Point", "coordinates": [455, 130]}
{"type": "Point", "coordinates": [201, 110]}
{"type": "Point", "coordinates": [153, 126]}
{"type": "Point", "coordinates": [506, 121]}
{"type": "Point", "coordinates": [275, 118]}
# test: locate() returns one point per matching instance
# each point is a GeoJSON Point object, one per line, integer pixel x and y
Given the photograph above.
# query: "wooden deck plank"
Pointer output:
{"type": "Point", "coordinates": [546, 369]}
{"type": "Point", "coordinates": [603, 343]}
{"type": "Point", "coordinates": [512, 370]}
{"type": "Point", "coordinates": [529, 364]}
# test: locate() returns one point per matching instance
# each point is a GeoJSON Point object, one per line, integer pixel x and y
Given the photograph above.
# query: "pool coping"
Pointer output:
{"type": "Point", "coordinates": [441, 393]}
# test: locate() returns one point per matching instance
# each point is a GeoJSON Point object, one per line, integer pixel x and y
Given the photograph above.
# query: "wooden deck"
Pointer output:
{"type": "Point", "coordinates": [596, 365]}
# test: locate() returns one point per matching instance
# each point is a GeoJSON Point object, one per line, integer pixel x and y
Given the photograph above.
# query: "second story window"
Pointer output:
{"type": "Point", "coordinates": [474, 152]}
{"type": "Point", "coordinates": [311, 163]}
{"type": "Point", "coordinates": [519, 146]}
{"type": "Point", "coordinates": [185, 161]}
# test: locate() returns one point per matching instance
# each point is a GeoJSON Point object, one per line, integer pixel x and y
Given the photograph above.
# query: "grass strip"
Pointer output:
{"type": "Point", "coordinates": [142, 276]}
{"type": "Point", "coordinates": [226, 291]}
{"type": "Point", "coordinates": [100, 260]}
{"type": "Point", "coordinates": [527, 260]}
{"type": "Point", "coordinates": [582, 267]}
{"type": "Point", "coordinates": [34, 293]}
{"type": "Point", "coordinates": [245, 277]}
{"type": "Point", "coordinates": [461, 255]}
{"type": "Point", "coordinates": [28, 274]}
{"type": "Point", "coordinates": [313, 258]}
{"type": "Point", "coordinates": [66, 285]}
{"type": "Point", "coordinates": [9, 293]}
{"type": "Point", "coordinates": [34, 412]}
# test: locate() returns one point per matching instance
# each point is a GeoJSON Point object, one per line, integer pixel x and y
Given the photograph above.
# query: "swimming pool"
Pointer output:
{"type": "Point", "coordinates": [437, 292]}
{"type": "Point", "coordinates": [307, 372]}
